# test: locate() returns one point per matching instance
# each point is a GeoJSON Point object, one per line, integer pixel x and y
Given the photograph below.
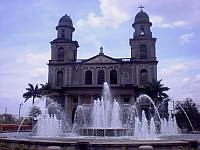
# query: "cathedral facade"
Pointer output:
{"type": "Point", "coordinates": [76, 81]}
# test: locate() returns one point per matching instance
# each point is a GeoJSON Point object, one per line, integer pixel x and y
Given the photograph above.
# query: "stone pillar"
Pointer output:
{"type": "Point", "coordinates": [79, 100]}
{"type": "Point", "coordinates": [68, 105]}
{"type": "Point", "coordinates": [107, 75]}
{"type": "Point", "coordinates": [132, 100]}
{"type": "Point", "coordinates": [91, 99]}
{"type": "Point", "coordinates": [94, 76]}
{"type": "Point", "coordinates": [137, 76]}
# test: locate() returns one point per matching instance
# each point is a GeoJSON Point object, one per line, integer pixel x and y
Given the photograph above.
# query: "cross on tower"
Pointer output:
{"type": "Point", "coordinates": [141, 8]}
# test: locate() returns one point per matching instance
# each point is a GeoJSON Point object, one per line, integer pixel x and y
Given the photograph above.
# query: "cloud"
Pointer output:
{"type": "Point", "coordinates": [27, 67]}
{"type": "Point", "coordinates": [186, 38]}
{"type": "Point", "coordinates": [115, 12]}
{"type": "Point", "coordinates": [182, 76]}
{"type": "Point", "coordinates": [192, 81]}
{"type": "Point", "coordinates": [34, 59]}
{"type": "Point", "coordinates": [112, 14]}
{"type": "Point", "coordinates": [173, 69]}
{"type": "Point", "coordinates": [161, 22]}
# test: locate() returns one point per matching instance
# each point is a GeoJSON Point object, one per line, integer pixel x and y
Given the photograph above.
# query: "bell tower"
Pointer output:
{"type": "Point", "coordinates": [63, 48]}
{"type": "Point", "coordinates": [63, 54]}
{"type": "Point", "coordinates": [143, 49]}
{"type": "Point", "coordinates": [142, 44]}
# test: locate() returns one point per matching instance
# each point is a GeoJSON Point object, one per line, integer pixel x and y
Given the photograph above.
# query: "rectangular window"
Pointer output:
{"type": "Point", "coordinates": [126, 100]}
{"type": "Point", "coordinates": [75, 100]}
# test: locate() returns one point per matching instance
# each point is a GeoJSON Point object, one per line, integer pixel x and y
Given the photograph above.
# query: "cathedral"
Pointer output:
{"type": "Point", "coordinates": [75, 81]}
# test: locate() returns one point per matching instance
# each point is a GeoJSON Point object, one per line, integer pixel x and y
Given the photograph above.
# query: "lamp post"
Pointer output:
{"type": "Point", "coordinates": [172, 110]}
{"type": "Point", "coordinates": [20, 106]}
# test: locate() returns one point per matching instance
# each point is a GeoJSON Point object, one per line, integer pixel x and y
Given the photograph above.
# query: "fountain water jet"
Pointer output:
{"type": "Point", "coordinates": [186, 116]}
{"type": "Point", "coordinates": [105, 117]}
{"type": "Point", "coordinates": [50, 123]}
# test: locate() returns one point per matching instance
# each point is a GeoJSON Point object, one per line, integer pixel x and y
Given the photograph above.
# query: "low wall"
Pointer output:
{"type": "Point", "coordinates": [73, 144]}
{"type": "Point", "coordinates": [14, 127]}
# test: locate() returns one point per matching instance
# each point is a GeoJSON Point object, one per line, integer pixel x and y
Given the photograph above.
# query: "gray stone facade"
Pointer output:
{"type": "Point", "coordinates": [77, 81]}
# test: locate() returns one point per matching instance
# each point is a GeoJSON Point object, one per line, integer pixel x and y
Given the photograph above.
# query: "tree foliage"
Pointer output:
{"type": "Point", "coordinates": [191, 110]}
{"type": "Point", "coordinates": [7, 118]}
{"type": "Point", "coordinates": [35, 111]}
{"type": "Point", "coordinates": [45, 89]}
{"type": "Point", "coordinates": [156, 90]}
{"type": "Point", "coordinates": [32, 92]}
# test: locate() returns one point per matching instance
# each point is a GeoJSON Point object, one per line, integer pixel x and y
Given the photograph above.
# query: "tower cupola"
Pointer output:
{"type": "Point", "coordinates": [65, 21]}
{"type": "Point", "coordinates": [142, 24]}
{"type": "Point", "coordinates": [65, 28]}
{"type": "Point", "coordinates": [142, 44]}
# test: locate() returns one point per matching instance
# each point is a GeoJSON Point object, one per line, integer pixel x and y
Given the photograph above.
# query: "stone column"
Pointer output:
{"type": "Point", "coordinates": [94, 76]}
{"type": "Point", "coordinates": [107, 75]}
{"type": "Point", "coordinates": [79, 100]}
{"type": "Point", "coordinates": [132, 100]}
{"type": "Point", "coordinates": [91, 99]}
{"type": "Point", "coordinates": [68, 105]}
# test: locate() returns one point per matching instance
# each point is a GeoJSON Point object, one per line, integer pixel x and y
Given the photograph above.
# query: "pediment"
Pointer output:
{"type": "Point", "coordinates": [101, 59]}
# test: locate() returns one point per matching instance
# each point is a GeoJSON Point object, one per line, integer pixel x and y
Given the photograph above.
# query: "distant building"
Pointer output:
{"type": "Point", "coordinates": [77, 81]}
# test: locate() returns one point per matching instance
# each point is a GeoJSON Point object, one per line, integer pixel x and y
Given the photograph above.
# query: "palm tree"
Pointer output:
{"type": "Point", "coordinates": [45, 89]}
{"type": "Point", "coordinates": [156, 90]}
{"type": "Point", "coordinates": [33, 92]}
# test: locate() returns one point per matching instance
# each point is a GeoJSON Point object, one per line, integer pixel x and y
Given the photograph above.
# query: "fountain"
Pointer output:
{"type": "Point", "coordinates": [102, 118]}
{"type": "Point", "coordinates": [186, 116]}
{"type": "Point", "coordinates": [106, 117]}
{"type": "Point", "coordinates": [107, 122]}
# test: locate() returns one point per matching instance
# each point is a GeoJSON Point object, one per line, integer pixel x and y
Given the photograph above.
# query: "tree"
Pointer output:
{"type": "Point", "coordinates": [192, 112]}
{"type": "Point", "coordinates": [7, 118]}
{"type": "Point", "coordinates": [35, 111]}
{"type": "Point", "coordinates": [32, 92]}
{"type": "Point", "coordinates": [45, 89]}
{"type": "Point", "coordinates": [163, 108]}
{"type": "Point", "coordinates": [156, 90]}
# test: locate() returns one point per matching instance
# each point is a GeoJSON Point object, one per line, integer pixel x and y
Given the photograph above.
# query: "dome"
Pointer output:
{"type": "Point", "coordinates": [65, 21]}
{"type": "Point", "coordinates": [141, 17]}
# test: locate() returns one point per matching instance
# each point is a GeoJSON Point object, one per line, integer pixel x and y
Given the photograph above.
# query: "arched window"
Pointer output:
{"type": "Point", "coordinates": [59, 78]}
{"type": "Point", "coordinates": [143, 76]}
{"type": "Point", "coordinates": [88, 77]}
{"type": "Point", "coordinates": [113, 77]}
{"type": "Point", "coordinates": [143, 51]}
{"type": "Point", "coordinates": [142, 31]}
{"type": "Point", "coordinates": [61, 54]}
{"type": "Point", "coordinates": [101, 77]}
{"type": "Point", "coordinates": [62, 34]}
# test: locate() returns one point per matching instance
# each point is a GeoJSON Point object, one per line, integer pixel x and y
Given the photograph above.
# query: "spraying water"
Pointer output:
{"type": "Point", "coordinates": [106, 117]}
{"type": "Point", "coordinates": [21, 124]}
{"type": "Point", "coordinates": [186, 115]}
{"type": "Point", "coordinates": [105, 112]}
{"type": "Point", "coordinates": [147, 98]}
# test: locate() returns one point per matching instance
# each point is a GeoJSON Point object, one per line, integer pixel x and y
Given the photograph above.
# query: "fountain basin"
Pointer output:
{"type": "Point", "coordinates": [105, 132]}
{"type": "Point", "coordinates": [93, 143]}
